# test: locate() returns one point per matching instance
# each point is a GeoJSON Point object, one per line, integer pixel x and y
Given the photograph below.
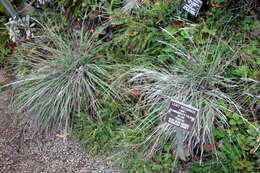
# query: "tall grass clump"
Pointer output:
{"type": "Point", "coordinates": [64, 77]}
{"type": "Point", "coordinates": [193, 75]}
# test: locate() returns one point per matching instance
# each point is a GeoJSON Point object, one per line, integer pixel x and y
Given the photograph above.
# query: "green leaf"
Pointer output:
{"type": "Point", "coordinates": [241, 71]}
{"type": "Point", "coordinates": [209, 31]}
{"type": "Point", "coordinates": [232, 122]}
{"type": "Point", "coordinates": [219, 133]}
{"type": "Point", "coordinates": [157, 167]}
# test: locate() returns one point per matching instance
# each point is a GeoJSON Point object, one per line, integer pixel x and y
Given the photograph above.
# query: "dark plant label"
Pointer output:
{"type": "Point", "coordinates": [192, 6]}
{"type": "Point", "coordinates": [181, 115]}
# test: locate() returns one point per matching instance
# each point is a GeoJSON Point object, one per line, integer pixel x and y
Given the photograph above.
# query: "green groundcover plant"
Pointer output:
{"type": "Point", "coordinates": [63, 79]}
{"type": "Point", "coordinates": [237, 151]}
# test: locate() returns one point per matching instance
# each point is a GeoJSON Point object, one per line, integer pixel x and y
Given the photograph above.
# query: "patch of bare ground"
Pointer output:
{"type": "Point", "coordinates": [23, 151]}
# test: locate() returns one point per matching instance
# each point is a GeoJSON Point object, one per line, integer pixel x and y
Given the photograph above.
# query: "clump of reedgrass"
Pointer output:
{"type": "Point", "coordinates": [194, 76]}
{"type": "Point", "coordinates": [130, 5]}
{"type": "Point", "coordinates": [64, 77]}
{"type": "Point", "coordinates": [249, 97]}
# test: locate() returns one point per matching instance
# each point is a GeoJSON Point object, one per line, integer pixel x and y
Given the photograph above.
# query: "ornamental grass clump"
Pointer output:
{"type": "Point", "coordinates": [64, 77]}
{"type": "Point", "coordinates": [193, 75]}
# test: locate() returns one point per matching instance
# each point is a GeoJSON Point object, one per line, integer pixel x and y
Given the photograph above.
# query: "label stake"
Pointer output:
{"type": "Point", "coordinates": [182, 116]}
{"type": "Point", "coordinates": [10, 8]}
{"type": "Point", "coordinates": [179, 141]}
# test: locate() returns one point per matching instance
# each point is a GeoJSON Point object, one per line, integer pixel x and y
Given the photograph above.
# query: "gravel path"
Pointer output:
{"type": "Point", "coordinates": [21, 151]}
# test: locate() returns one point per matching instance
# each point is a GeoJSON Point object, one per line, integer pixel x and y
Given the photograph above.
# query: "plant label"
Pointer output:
{"type": "Point", "coordinates": [181, 115]}
{"type": "Point", "coordinates": [192, 6]}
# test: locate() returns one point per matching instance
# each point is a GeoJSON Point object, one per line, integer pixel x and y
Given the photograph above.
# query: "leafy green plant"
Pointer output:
{"type": "Point", "coordinates": [133, 159]}
{"type": "Point", "coordinates": [102, 137]}
{"type": "Point", "coordinates": [237, 150]}
{"type": "Point", "coordinates": [65, 75]}
{"type": "Point", "coordinates": [138, 33]}
{"type": "Point", "coordinates": [97, 137]}
{"type": "Point", "coordinates": [137, 39]}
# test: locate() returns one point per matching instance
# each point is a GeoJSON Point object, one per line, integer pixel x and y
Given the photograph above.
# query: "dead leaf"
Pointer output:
{"type": "Point", "coordinates": [254, 34]}
{"type": "Point", "coordinates": [135, 93]}
{"type": "Point", "coordinates": [208, 147]}
{"type": "Point", "coordinates": [64, 135]}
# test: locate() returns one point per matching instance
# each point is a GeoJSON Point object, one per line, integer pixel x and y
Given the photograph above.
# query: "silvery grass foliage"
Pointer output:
{"type": "Point", "coordinates": [63, 81]}
{"type": "Point", "coordinates": [249, 96]}
{"type": "Point", "coordinates": [130, 5]}
{"type": "Point", "coordinates": [194, 77]}
{"type": "Point", "coordinates": [21, 29]}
